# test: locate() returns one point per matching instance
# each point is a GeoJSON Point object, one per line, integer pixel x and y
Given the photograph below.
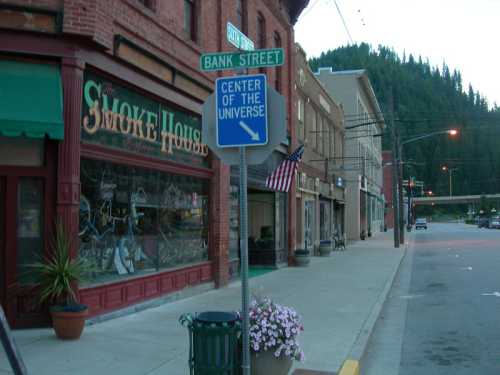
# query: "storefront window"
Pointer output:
{"type": "Point", "coordinates": [135, 221]}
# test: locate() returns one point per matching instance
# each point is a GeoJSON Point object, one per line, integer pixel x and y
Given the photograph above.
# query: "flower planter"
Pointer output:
{"type": "Point", "coordinates": [302, 258]}
{"type": "Point", "coordinates": [325, 249]}
{"type": "Point", "coordinates": [68, 325]}
{"type": "Point", "coordinates": [265, 363]}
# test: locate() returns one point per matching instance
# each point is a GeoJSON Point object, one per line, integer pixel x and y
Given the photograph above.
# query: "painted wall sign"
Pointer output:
{"type": "Point", "coordinates": [117, 117]}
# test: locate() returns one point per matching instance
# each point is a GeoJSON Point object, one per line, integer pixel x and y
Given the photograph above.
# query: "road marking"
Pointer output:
{"type": "Point", "coordinates": [254, 135]}
{"type": "Point", "coordinates": [495, 294]}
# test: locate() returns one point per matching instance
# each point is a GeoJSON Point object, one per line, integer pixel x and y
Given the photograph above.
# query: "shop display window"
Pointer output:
{"type": "Point", "coordinates": [135, 221]}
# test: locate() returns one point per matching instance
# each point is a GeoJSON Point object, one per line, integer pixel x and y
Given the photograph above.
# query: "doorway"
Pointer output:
{"type": "Point", "coordinates": [2, 243]}
{"type": "Point", "coordinates": [22, 242]}
{"type": "Point", "coordinates": [309, 225]}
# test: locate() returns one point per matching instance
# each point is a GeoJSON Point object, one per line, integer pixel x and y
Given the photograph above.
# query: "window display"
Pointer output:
{"type": "Point", "coordinates": [134, 221]}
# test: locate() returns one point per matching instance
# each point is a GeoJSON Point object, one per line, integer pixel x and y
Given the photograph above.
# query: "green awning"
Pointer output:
{"type": "Point", "coordinates": [30, 100]}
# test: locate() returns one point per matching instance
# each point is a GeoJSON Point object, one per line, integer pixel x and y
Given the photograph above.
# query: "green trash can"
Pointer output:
{"type": "Point", "coordinates": [214, 342]}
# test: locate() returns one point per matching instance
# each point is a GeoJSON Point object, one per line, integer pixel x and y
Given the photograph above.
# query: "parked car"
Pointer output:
{"type": "Point", "coordinates": [495, 222]}
{"type": "Point", "coordinates": [483, 222]}
{"type": "Point", "coordinates": [421, 223]}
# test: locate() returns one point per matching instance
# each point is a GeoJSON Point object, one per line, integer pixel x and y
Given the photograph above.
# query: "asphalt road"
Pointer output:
{"type": "Point", "coordinates": [443, 313]}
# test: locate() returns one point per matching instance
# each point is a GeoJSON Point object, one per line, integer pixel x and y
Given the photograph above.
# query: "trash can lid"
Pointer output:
{"type": "Point", "coordinates": [217, 317]}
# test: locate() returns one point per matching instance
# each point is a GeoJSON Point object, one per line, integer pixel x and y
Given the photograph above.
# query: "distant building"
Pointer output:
{"type": "Point", "coordinates": [363, 152]}
{"type": "Point", "coordinates": [389, 209]}
{"type": "Point", "coordinates": [321, 189]}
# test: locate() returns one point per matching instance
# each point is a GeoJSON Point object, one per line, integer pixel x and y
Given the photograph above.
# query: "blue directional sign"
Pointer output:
{"type": "Point", "coordinates": [241, 107]}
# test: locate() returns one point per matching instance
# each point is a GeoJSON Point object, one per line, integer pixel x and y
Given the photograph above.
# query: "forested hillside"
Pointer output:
{"type": "Point", "coordinates": [428, 99]}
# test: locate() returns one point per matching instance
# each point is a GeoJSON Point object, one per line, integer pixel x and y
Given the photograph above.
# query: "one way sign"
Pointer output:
{"type": "Point", "coordinates": [241, 106]}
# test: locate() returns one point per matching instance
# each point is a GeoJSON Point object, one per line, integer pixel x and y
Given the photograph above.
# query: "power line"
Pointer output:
{"type": "Point", "coordinates": [309, 9]}
{"type": "Point", "coordinates": [343, 21]}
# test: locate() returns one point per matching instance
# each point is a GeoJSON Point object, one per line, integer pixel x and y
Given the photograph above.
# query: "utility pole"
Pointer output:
{"type": "Point", "coordinates": [395, 206]}
{"type": "Point", "coordinates": [400, 190]}
{"type": "Point", "coordinates": [410, 196]}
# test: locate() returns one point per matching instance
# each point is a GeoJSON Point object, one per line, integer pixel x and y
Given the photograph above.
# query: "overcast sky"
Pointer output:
{"type": "Point", "coordinates": [463, 33]}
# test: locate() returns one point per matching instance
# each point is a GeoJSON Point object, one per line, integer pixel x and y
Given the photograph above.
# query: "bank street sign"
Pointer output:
{"type": "Point", "coordinates": [238, 39]}
{"type": "Point", "coordinates": [241, 110]}
{"type": "Point", "coordinates": [259, 58]}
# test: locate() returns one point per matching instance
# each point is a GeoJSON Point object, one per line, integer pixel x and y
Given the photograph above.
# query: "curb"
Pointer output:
{"type": "Point", "coordinates": [352, 365]}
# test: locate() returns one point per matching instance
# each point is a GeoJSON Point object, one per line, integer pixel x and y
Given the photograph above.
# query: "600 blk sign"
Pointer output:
{"type": "Point", "coordinates": [118, 117]}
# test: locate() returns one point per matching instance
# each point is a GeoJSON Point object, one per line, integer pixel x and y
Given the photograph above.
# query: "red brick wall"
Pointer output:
{"type": "Point", "coordinates": [160, 32]}
{"type": "Point", "coordinates": [387, 187]}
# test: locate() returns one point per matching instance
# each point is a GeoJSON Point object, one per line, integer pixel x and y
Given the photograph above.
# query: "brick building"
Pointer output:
{"type": "Point", "coordinates": [320, 194]}
{"type": "Point", "coordinates": [100, 128]}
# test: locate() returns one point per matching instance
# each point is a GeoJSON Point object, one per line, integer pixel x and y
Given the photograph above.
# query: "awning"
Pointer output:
{"type": "Point", "coordinates": [30, 100]}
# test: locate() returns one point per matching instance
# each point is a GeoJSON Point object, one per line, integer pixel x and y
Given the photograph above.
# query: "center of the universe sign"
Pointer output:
{"type": "Point", "coordinates": [241, 104]}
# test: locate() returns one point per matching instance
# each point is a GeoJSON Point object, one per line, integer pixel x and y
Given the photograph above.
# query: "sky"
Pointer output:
{"type": "Point", "coordinates": [463, 33]}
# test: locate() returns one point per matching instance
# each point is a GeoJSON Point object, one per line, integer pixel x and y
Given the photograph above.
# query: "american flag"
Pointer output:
{"type": "Point", "coordinates": [281, 179]}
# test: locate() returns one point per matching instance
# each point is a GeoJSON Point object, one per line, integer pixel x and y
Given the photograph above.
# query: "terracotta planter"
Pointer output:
{"type": "Point", "coordinates": [68, 325]}
{"type": "Point", "coordinates": [265, 363]}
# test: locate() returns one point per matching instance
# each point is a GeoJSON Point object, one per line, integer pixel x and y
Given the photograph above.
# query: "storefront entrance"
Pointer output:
{"type": "Point", "coordinates": [22, 242]}
{"type": "Point", "coordinates": [2, 243]}
{"type": "Point", "coordinates": [309, 225]}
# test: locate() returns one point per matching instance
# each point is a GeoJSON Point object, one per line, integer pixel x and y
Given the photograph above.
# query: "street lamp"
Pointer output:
{"type": "Point", "coordinates": [398, 161]}
{"type": "Point", "coordinates": [444, 168]}
{"type": "Point", "coordinates": [452, 132]}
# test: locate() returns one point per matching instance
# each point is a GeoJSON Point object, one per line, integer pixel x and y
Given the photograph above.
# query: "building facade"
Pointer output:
{"type": "Point", "coordinates": [320, 183]}
{"type": "Point", "coordinates": [388, 191]}
{"type": "Point", "coordinates": [101, 130]}
{"type": "Point", "coordinates": [363, 150]}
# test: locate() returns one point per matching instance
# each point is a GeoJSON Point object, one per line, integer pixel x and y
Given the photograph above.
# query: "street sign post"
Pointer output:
{"type": "Point", "coordinates": [236, 118]}
{"type": "Point", "coordinates": [238, 39]}
{"type": "Point", "coordinates": [10, 347]}
{"type": "Point", "coordinates": [242, 60]}
{"type": "Point", "coordinates": [241, 107]}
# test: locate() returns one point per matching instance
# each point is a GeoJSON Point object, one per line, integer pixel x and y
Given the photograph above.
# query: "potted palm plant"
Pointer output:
{"type": "Point", "coordinates": [59, 275]}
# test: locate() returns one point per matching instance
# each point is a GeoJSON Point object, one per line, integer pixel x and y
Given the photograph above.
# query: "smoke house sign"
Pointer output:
{"type": "Point", "coordinates": [117, 117]}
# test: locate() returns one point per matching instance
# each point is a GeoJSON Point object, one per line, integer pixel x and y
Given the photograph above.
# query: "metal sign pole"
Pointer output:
{"type": "Point", "coordinates": [244, 262]}
{"type": "Point", "coordinates": [13, 355]}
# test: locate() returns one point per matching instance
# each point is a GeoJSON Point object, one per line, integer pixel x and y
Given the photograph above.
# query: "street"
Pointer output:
{"type": "Point", "coordinates": [442, 315]}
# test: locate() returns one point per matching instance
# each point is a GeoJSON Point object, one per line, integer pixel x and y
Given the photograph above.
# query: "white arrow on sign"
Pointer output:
{"type": "Point", "coordinates": [253, 135]}
{"type": "Point", "coordinates": [496, 294]}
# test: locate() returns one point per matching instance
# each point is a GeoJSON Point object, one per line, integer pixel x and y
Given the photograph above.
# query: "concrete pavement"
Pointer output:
{"type": "Point", "coordinates": [339, 299]}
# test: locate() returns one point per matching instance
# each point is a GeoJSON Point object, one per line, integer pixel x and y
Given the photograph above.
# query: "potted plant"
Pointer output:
{"type": "Point", "coordinates": [302, 257]}
{"type": "Point", "coordinates": [273, 337]}
{"type": "Point", "coordinates": [59, 275]}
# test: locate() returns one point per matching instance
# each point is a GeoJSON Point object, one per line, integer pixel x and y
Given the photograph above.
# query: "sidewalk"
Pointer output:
{"type": "Point", "coordinates": [338, 298]}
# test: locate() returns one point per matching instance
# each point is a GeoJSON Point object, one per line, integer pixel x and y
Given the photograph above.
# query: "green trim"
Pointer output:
{"type": "Point", "coordinates": [31, 97]}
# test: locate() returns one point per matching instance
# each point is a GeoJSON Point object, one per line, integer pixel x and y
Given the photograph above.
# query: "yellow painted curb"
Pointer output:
{"type": "Point", "coordinates": [350, 367]}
